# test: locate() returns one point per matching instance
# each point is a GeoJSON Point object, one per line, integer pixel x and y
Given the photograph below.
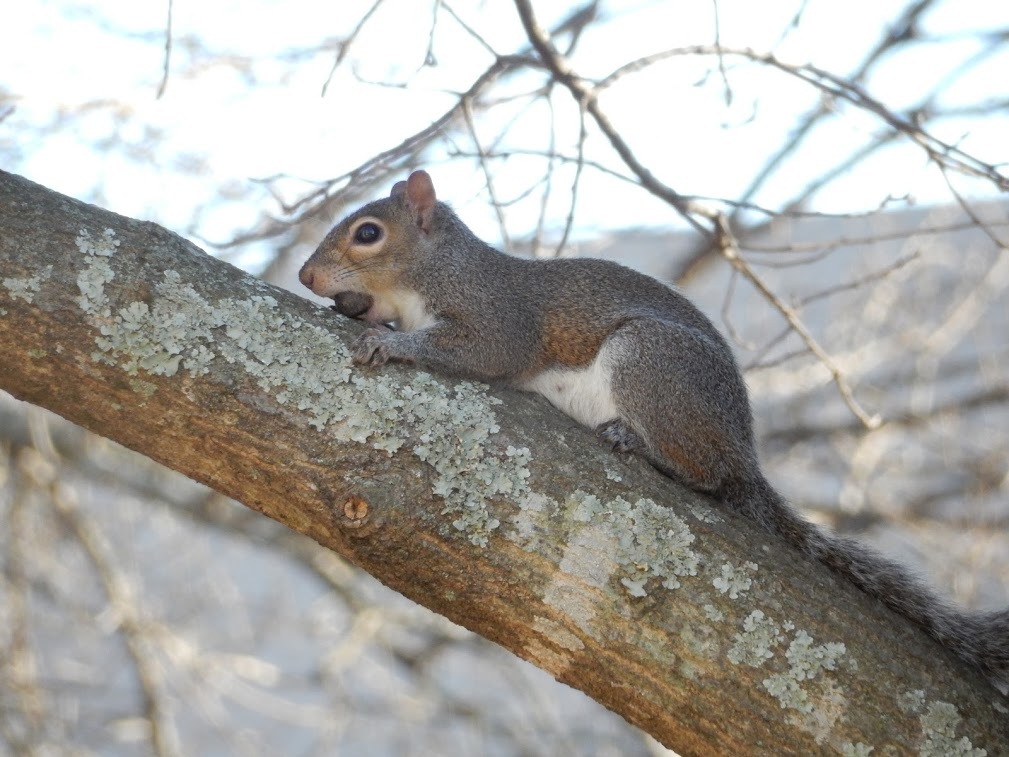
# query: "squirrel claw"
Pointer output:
{"type": "Point", "coordinates": [370, 348]}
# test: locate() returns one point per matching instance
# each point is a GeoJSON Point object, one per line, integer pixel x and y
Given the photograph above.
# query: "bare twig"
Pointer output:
{"type": "Point", "coordinates": [30, 711]}
{"type": "Point", "coordinates": [585, 95]}
{"type": "Point", "coordinates": [729, 249]}
{"type": "Point", "coordinates": [429, 58]}
{"type": "Point", "coordinates": [757, 361]}
{"type": "Point", "coordinates": [846, 241]}
{"type": "Point", "coordinates": [897, 33]}
{"type": "Point", "coordinates": [468, 28]}
{"type": "Point", "coordinates": [970, 212]}
{"type": "Point", "coordinates": [835, 86]}
{"type": "Point", "coordinates": [579, 166]}
{"type": "Point", "coordinates": [467, 112]}
{"type": "Point", "coordinates": [375, 168]}
{"type": "Point", "coordinates": [345, 45]}
{"type": "Point", "coordinates": [121, 599]}
{"type": "Point", "coordinates": [168, 52]}
{"type": "Point", "coordinates": [536, 243]}
{"type": "Point", "coordinates": [726, 88]}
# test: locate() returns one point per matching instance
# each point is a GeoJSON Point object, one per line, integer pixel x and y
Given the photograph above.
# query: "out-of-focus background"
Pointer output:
{"type": "Point", "coordinates": [856, 151]}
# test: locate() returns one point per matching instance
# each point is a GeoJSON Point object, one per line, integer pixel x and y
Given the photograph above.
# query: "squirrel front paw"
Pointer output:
{"type": "Point", "coordinates": [371, 348]}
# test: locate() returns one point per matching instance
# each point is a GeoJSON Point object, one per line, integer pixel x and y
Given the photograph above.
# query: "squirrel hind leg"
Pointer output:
{"type": "Point", "coordinates": [624, 439]}
{"type": "Point", "coordinates": [692, 418]}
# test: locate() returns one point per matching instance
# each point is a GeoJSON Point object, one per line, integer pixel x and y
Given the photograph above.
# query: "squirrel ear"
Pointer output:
{"type": "Point", "coordinates": [398, 189]}
{"type": "Point", "coordinates": [420, 198]}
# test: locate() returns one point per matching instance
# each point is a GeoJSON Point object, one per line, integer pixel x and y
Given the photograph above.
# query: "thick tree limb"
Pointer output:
{"type": "Point", "coordinates": [486, 506]}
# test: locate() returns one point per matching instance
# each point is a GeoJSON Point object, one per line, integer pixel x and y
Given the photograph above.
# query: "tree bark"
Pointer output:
{"type": "Point", "coordinates": [485, 505]}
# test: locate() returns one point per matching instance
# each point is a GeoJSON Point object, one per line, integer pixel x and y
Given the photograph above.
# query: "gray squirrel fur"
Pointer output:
{"type": "Point", "coordinates": [615, 349]}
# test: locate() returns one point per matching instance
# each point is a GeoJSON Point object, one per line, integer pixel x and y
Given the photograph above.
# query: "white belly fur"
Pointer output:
{"type": "Point", "coordinates": [411, 311]}
{"type": "Point", "coordinates": [583, 393]}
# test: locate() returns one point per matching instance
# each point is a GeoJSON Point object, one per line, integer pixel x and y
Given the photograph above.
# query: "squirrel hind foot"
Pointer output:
{"type": "Point", "coordinates": [620, 436]}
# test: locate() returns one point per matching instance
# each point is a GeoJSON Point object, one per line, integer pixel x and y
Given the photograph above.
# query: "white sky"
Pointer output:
{"type": "Point", "coordinates": [57, 56]}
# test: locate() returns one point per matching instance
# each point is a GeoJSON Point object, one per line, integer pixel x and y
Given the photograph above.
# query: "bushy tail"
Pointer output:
{"type": "Point", "coordinates": [981, 639]}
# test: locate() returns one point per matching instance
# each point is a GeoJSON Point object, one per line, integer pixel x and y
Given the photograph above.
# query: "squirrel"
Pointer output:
{"type": "Point", "coordinates": [618, 351]}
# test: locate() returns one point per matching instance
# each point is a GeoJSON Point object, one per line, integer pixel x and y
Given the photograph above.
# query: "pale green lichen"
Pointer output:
{"type": "Point", "coordinates": [587, 507]}
{"type": "Point", "coordinates": [653, 543]}
{"type": "Point", "coordinates": [806, 662]}
{"type": "Point", "coordinates": [533, 512]}
{"type": "Point", "coordinates": [97, 273]}
{"type": "Point", "coordinates": [308, 368]}
{"type": "Point", "coordinates": [939, 721]}
{"type": "Point", "coordinates": [712, 613]}
{"type": "Point", "coordinates": [26, 288]}
{"type": "Point", "coordinates": [830, 707]}
{"type": "Point", "coordinates": [735, 581]}
{"type": "Point", "coordinates": [858, 749]}
{"type": "Point", "coordinates": [143, 388]}
{"type": "Point", "coordinates": [911, 701]}
{"type": "Point", "coordinates": [754, 646]}
{"type": "Point", "coordinates": [938, 726]}
{"type": "Point", "coordinates": [817, 708]}
{"type": "Point", "coordinates": [705, 514]}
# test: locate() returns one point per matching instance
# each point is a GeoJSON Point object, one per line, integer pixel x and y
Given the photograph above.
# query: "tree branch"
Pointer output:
{"type": "Point", "coordinates": [485, 506]}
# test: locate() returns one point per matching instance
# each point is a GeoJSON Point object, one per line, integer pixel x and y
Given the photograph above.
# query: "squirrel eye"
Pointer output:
{"type": "Point", "coordinates": [368, 233]}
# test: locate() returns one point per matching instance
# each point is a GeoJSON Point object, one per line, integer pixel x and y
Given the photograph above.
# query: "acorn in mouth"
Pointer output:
{"type": "Point", "coordinates": [352, 304]}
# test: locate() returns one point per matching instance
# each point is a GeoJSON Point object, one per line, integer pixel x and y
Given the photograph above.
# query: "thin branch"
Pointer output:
{"type": "Point", "coordinates": [790, 212]}
{"type": "Point", "coordinates": [20, 661]}
{"type": "Point", "coordinates": [842, 167]}
{"type": "Point", "coordinates": [729, 249]}
{"type": "Point", "coordinates": [838, 242]}
{"type": "Point", "coordinates": [536, 245]}
{"type": "Point", "coordinates": [730, 325]}
{"type": "Point", "coordinates": [168, 52]}
{"type": "Point", "coordinates": [755, 363]}
{"type": "Point", "coordinates": [420, 138]}
{"type": "Point", "coordinates": [467, 112]}
{"type": "Point", "coordinates": [575, 183]}
{"type": "Point", "coordinates": [469, 29]}
{"type": "Point", "coordinates": [375, 168]}
{"type": "Point", "coordinates": [561, 70]}
{"type": "Point", "coordinates": [727, 89]}
{"type": "Point", "coordinates": [899, 32]}
{"type": "Point", "coordinates": [971, 214]}
{"type": "Point", "coordinates": [860, 281]}
{"type": "Point", "coordinates": [983, 398]}
{"type": "Point", "coordinates": [121, 599]}
{"type": "Point", "coordinates": [346, 44]}
{"type": "Point", "coordinates": [835, 86]}
{"type": "Point", "coordinates": [429, 59]}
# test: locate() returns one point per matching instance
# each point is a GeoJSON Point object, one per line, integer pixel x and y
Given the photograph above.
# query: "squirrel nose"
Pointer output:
{"type": "Point", "coordinates": [306, 276]}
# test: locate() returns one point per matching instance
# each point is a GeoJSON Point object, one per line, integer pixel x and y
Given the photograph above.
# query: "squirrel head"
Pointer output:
{"type": "Point", "coordinates": [361, 261]}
